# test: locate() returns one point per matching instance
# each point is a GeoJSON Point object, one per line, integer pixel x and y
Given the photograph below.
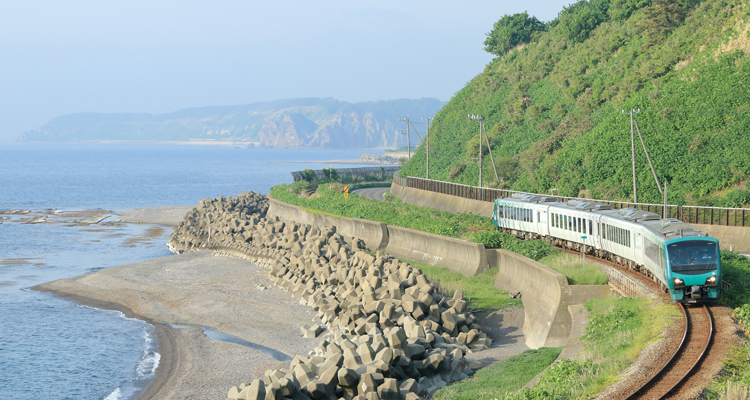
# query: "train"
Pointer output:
{"type": "Point", "coordinates": [681, 259]}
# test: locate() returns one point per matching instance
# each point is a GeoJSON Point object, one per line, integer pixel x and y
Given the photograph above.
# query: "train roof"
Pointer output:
{"type": "Point", "coordinates": [667, 228]}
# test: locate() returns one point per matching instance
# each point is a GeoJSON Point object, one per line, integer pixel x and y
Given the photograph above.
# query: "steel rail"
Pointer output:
{"type": "Point", "coordinates": [692, 369]}
{"type": "Point", "coordinates": [669, 364]}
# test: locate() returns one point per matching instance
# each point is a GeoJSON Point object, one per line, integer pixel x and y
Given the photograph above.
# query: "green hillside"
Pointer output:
{"type": "Point", "coordinates": [552, 102]}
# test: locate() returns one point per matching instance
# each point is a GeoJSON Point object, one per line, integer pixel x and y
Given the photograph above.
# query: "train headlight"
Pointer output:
{"type": "Point", "coordinates": [678, 282]}
{"type": "Point", "coordinates": [711, 281]}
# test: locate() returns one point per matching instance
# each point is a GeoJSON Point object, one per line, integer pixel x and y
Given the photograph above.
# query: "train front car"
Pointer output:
{"type": "Point", "coordinates": [693, 269]}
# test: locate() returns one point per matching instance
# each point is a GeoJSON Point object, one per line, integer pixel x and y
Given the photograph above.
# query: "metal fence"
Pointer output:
{"type": "Point", "coordinates": [690, 214]}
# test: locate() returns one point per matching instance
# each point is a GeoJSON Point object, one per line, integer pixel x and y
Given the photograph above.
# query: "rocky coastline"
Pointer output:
{"type": "Point", "coordinates": [389, 334]}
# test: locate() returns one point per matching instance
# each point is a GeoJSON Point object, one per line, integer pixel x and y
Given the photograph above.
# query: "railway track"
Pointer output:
{"type": "Point", "coordinates": [666, 383]}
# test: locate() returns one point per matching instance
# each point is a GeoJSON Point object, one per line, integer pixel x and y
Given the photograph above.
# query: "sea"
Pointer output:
{"type": "Point", "coordinates": [54, 347]}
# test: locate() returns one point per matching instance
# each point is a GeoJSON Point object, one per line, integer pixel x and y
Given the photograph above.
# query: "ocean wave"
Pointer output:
{"type": "Point", "coordinates": [148, 364]}
{"type": "Point", "coordinates": [115, 395]}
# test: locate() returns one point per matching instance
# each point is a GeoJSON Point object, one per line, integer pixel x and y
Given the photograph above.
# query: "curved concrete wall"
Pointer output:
{"type": "Point", "coordinates": [439, 201]}
{"type": "Point", "coordinates": [374, 234]}
{"type": "Point", "coordinates": [546, 296]}
{"type": "Point", "coordinates": [465, 258]}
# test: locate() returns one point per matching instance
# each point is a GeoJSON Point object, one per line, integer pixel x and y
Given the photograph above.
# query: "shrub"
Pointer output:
{"type": "Point", "coordinates": [309, 175]}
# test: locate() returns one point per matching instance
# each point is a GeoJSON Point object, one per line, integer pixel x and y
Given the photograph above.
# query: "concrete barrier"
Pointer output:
{"type": "Point", "coordinates": [439, 201]}
{"type": "Point", "coordinates": [736, 236]}
{"type": "Point", "coordinates": [546, 296]}
{"type": "Point", "coordinates": [374, 234]}
{"type": "Point", "coordinates": [465, 258]}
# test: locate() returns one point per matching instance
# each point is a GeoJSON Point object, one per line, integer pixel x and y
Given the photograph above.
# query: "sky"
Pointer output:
{"type": "Point", "coordinates": [61, 57]}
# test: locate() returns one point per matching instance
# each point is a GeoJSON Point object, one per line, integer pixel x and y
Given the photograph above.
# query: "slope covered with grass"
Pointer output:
{"type": "Point", "coordinates": [552, 106]}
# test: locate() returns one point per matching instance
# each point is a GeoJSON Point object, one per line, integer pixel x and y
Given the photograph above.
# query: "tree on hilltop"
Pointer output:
{"type": "Point", "coordinates": [510, 31]}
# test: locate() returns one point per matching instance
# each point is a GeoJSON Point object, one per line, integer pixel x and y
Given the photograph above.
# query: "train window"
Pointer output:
{"type": "Point", "coordinates": [591, 227]}
{"type": "Point", "coordinates": [604, 231]}
{"type": "Point", "coordinates": [580, 227]}
{"type": "Point", "coordinates": [628, 238]}
{"type": "Point", "coordinates": [538, 217]}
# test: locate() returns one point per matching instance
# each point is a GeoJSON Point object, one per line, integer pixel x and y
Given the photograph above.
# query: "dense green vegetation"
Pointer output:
{"type": "Point", "coordinates": [507, 376]}
{"type": "Point", "coordinates": [552, 104]}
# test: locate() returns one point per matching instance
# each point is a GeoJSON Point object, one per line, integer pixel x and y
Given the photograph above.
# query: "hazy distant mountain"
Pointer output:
{"type": "Point", "coordinates": [295, 123]}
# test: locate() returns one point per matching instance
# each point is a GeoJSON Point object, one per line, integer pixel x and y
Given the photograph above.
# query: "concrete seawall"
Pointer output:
{"type": "Point", "coordinates": [374, 234]}
{"type": "Point", "coordinates": [465, 258]}
{"type": "Point", "coordinates": [546, 296]}
{"type": "Point", "coordinates": [442, 202]}
{"type": "Point", "coordinates": [457, 255]}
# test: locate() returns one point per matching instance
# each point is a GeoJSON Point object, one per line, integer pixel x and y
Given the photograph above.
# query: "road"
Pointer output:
{"type": "Point", "coordinates": [376, 193]}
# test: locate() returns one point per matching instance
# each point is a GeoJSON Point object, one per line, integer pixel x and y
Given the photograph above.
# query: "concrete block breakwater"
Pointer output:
{"type": "Point", "coordinates": [391, 334]}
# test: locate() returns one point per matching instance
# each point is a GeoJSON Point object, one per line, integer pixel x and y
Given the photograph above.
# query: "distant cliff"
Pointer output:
{"type": "Point", "coordinates": [296, 123]}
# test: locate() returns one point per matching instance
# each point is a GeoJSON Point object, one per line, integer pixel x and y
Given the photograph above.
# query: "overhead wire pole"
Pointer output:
{"type": "Point", "coordinates": [427, 148]}
{"type": "Point", "coordinates": [632, 151]}
{"type": "Point", "coordinates": [479, 118]}
{"type": "Point", "coordinates": [408, 136]}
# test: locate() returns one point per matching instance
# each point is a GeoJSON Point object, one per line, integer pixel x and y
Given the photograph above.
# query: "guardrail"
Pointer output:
{"type": "Point", "coordinates": [690, 214]}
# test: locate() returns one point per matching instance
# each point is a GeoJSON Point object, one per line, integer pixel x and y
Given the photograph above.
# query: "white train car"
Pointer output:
{"type": "Point", "coordinates": [637, 239]}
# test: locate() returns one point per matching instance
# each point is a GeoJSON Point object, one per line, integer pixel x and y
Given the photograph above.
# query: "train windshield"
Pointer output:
{"type": "Point", "coordinates": [693, 257]}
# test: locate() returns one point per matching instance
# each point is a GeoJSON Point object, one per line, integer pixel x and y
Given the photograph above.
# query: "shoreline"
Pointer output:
{"type": "Point", "coordinates": [165, 338]}
{"type": "Point", "coordinates": [198, 289]}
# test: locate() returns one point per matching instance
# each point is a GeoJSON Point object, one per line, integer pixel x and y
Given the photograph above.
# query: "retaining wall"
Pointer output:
{"type": "Point", "coordinates": [374, 234]}
{"type": "Point", "coordinates": [546, 296]}
{"type": "Point", "coordinates": [736, 236]}
{"type": "Point", "coordinates": [439, 201]}
{"type": "Point", "coordinates": [465, 258]}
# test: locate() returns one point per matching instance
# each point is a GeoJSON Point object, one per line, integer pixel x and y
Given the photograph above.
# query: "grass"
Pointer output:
{"type": "Point", "coordinates": [329, 200]}
{"type": "Point", "coordinates": [619, 329]}
{"type": "Point", "coordinates": [571, 266]}
{"type": "Point", "coordinates": [479, 291]}
{"type": "Point", "coordinates": [506, 376]}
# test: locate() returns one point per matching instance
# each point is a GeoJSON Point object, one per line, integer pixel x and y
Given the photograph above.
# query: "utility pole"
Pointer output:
{"type": "Point", "coordinates": [479, 118]}
{"type": "Point", "coordinates": [408, 136]}
{"type": "Point", "coordinates": [427, 149]}
{"type": "Point", "coordinates": [632, 112]}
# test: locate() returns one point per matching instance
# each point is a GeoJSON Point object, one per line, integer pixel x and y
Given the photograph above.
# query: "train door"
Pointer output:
{"type": "Point", "coordinates": [638, 248]}
{"type": "Point", "coordinates": [596, 222]}
{"type": "Point", "coordinates": [542, 225]}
